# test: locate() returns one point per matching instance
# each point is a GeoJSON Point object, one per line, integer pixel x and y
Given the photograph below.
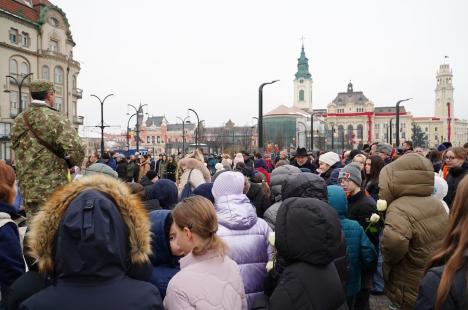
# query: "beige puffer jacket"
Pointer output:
{"type": "Point", "coordinates": [415, 225]}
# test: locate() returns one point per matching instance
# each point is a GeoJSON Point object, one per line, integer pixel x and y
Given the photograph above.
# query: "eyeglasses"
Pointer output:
{"type": "Point", "coordinates": [449, 158]}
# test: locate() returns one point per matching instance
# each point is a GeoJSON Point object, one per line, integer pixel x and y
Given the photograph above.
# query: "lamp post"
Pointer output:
{"type": "Point", "coordinates": [128, 127]}
{"type": "Point", "coordinates": [138, 111]}
{"type": "Point", "coordinates": [196, 130]}
{"type": "Point", "coordinates": [260, 115]}
{"type": "Point", "coordinates": [333, 137]}
{"type": "Point", "coordinates": [183, 133]}
{"type": "Point", "coordinates": [305, 133]}
{"type": "Point", "coordinates": [20, 85]}
{"type": "Point", "coordinates": [397, 123]}
{"type": "Point", "coordinates": [391, 131]}
{"type": "Point", "coordinates": [312, 131]}
{"type": "Point", "coordinates": [102, 120]}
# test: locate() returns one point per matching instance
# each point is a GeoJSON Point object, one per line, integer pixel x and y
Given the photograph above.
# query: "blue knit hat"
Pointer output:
{"type": "Point", "coordinates": [441, 148]}
{"type": "Point", "coordinates": [205, 191]}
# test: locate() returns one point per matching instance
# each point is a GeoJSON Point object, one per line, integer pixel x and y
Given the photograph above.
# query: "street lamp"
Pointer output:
{"type": "Point", "coordinates": [102, 120]}
{"type": "Point", "coordinates": [138, 112]}
{"type": "Point", "coordinates": [20, 85]}
{"type": "Point", "coordinates": [305, 133]}
{"type": "Point", "coordinates": [128, 127]}
{"type": "Point", "coordinates": [391, 132]}
{"type": "Point", "coordinates": [260, 115]}
{"type": "Point", "coordinates": [312, 131]}
{"type": "Point", "coordinates": [332, 137]}
{"type": "Point", "coordinates": [183, 133]}
{"type": "Point", "coordinates": [196, 130]}
{"type": "Point", "coordinates": [397, 124]}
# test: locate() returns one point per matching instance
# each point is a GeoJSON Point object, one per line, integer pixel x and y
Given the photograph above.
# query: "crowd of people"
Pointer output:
{"type": "Point", "coordinates": [268, 231]}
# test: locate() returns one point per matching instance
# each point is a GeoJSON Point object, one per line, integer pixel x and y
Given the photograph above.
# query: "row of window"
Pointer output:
{"type": "Point", "coordinates": [153, 139]}
{"type": "Point", "coordinates": [16, 37]}
{"type": "Point", "coordinates": [25, 100]}
{"type": "Point", "coordinates": [342, 110]}
{"type": "Point", "coordinates": [45, 73]}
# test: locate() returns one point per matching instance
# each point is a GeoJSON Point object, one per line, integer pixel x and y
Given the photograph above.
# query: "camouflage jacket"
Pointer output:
{"type": "Point", "coordinates": [39, 171]}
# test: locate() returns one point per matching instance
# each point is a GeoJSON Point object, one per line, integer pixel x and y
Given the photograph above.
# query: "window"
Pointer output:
{"type": "Point", "coordinates": [152, 139]}
{"type": "Point", "coordinates": [5, 129]}
{"type": "Point", "coordinates": [24, 68]}
{"type": "Point", "coordinates": [54, 21]}
{"type": "Point", "coordinates": [360, 131]}
{"type": "Point", "coordinates": [13, 67]}
{"type": "Point", "coordinates": [426, 129]}
{"type": "Point", "coordinates": [53, 46]}
{"type": "Point", "coordinates": [24, 100]}
{"type": "Point", "coordinates": [376, 135]}
{"type": "Point", "coordinates": [25, 39]}
{"type": "Point", "coordinates": [74, 82]}
{"type": "Point", "coordinates": [435, 128]}
{"type": "Point", "coordinates": [159, 139]}
{"type": "Point", "coordinates": [45, 73]}
{"type": "Point", "coordinates": [13, 103]}
{"type": "Point", "coordinates": [148, 139]}
{"type": "Point", "coordinates": [58, 75]}
{"type": "Point", "coordinates": [301, 95]}
{"type": "Point", "coordinates": [59, 103]}
{"type": "Point", "coordinates": [403, 135]}
{"type": "Point", "coordinates": [13, 35]}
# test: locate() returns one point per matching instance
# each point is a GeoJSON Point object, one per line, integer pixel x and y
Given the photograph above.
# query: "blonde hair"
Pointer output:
{"type": "Point", "coordinates": [198, 214]}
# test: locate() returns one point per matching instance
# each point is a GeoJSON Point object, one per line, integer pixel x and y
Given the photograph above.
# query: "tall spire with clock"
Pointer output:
{"type": "Point", "coordinates": [303, 83]}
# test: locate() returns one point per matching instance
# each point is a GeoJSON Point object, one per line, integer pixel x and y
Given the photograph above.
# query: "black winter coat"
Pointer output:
{"type": "Point", "coordinates": [457, 297]}
{"type": "Point", "coordinates": [308, 238]}
{"type": "Point", "coordinates": [258, 198]}
{"type": "Point", "coordinates": [122, 170]}
{"type": "Point", "coordinates": [455, 175]}
{"type": "Point", "coordinates": [360, 208]}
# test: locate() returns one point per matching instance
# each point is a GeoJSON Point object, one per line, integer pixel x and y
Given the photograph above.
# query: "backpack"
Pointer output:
{"type": "Point", "coordinates": [187, 190]}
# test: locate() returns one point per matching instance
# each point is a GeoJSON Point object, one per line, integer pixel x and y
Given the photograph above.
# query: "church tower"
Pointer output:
{"type": "Point", "coordinates": [444, 93]}
{"type": "Point", "coordinates": [303, 84]}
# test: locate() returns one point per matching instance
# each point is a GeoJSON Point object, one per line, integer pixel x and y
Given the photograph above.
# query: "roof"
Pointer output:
{"type": "Point", "coordinates": [303, 66]}
{"type": "Point", "coordinates": [178, 127]}
{"type": "Point", "coordinates": [391, 109]}
{"type": "Point", "coordinates": [284, 110]}
{"type": "Point", "coordinates": [350, 96]}
{"type": "Point", "coordinates": [155, 121]}
{"type": "Point", "coordinates": [20, 8]}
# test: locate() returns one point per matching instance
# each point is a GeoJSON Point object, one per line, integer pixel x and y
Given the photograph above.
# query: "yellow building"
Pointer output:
{"type": "Point", "coordinates": [35, 38]}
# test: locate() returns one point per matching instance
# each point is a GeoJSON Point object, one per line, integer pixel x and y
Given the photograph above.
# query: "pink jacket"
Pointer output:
{"type": "Point", "coordinates": [209, 281]}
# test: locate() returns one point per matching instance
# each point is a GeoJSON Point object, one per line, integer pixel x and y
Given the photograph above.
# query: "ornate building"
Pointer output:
{"type": "Point", "coordinates": [35, 38]}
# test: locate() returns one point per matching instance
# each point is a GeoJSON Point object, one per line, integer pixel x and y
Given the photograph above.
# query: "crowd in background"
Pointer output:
{"type": "Point", "coordinates": [243, 231]}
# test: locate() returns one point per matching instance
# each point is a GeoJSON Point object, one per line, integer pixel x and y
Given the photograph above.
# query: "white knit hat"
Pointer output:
{"type": "Point", "coordinates": [228, 183]}
{"type": "Point", "coordinates": [238, 159]}
{"type": "Point", "coordinates": [330, 158]}
{"type": "Point", "coordinates": [219, 167]}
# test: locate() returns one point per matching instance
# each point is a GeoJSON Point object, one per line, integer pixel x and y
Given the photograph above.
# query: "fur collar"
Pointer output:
{"type": "Point", "coordinates": [192, 163]}
{"type": "Point", "coordinates": [45, 224]}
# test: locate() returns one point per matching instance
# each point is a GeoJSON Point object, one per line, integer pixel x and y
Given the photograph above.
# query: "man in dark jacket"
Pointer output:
{"type": "Point", "coordinates": [70, 240]}
{"type": "Point", "coordinates": [308, 238]}
{"type": "Point", "coordinates": [301, 160]}
{"type": "Point", "coordinates": [121, 167]}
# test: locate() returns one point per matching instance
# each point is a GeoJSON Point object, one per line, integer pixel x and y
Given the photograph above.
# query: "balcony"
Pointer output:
{"type": "Point", "coordinates": [78, 120]}
{"type": "Point", "coordinates": [19, 78]}
{"type": "Point", "coordinates": [77, 92]}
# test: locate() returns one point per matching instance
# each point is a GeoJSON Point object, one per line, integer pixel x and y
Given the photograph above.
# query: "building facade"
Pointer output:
{"type": "Point", "coordinates": [35, 43]}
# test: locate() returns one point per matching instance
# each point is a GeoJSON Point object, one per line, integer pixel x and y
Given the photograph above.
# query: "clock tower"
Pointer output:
{"type": "Point", "coordinates": [303, 84]}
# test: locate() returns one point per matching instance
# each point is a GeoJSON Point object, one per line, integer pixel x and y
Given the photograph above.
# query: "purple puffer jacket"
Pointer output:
{"type": "Point", "coordinates": [247, 238]}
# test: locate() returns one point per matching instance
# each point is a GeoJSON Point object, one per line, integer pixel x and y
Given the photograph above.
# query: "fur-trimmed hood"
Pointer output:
{"type": "Point", "coordinates": [192, 163]}
{"type": "Point", "coordinates": [72, 229]}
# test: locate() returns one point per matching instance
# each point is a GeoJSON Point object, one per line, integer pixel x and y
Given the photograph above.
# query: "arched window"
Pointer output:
{"type": "Point", "coordinates": [340, 132]}
{"type": "Point", "coordinates": [13, 66]}
{"type": "Point", "coordinates": [301, 95]}
{"type": "Point", "coordinates": [58, 75]}
{"type": "Point", "coordinates": [360, 131]}
{"type": "Point", "coordinates": [45, 73]}
{"type": "Point", "coordinates": [350, 132]}
{"type": "Point", "coordinates": [74, 82]}
{"type": "Point", "coordinates": [24, 68]}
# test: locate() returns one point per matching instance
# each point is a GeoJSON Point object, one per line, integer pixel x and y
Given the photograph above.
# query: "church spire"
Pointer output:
{"type": "Point", "coordinates": [303, 66]}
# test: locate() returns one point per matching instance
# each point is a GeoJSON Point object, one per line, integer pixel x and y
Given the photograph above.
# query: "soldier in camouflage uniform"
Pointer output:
{"type": "Point", "coordinates": [39, 171]}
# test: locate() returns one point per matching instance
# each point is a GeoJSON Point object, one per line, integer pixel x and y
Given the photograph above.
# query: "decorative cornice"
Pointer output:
{"type": "Point", "coordinates": [18, 49]}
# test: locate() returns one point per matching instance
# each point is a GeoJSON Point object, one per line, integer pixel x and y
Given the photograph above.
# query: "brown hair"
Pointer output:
{"type": "Point", "coordinates": [458, 152]}
{"type": "Point", "coordinates": [451, 253]}
{"type": "Point", "coordinates": [199, 215]}
{"type": "Point", "coordinates": [7, 183]}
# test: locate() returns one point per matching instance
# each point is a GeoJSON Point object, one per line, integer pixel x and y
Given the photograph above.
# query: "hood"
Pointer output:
{"type": "Point", "coordinates": [192, 163]}
{"type": "Point", "coordinates": [440, 187]}
{"type": "Point", "coordinates": [160, 243]}
{"type": "Point", "coordinates": [236, 212]}
{"type": "Point", "coordinates": [205, 191]}
{"type": "Point", "coordinates": [304, 185]}
{"type": "Point", "coordinates": [307, 230]}
{"type": "Point", "coordinates": [165, 191]}
{"type": "Point", "coordinates": [409, 175]}
{"type": "Point", "coordinates": [337, 200]}
{"type": "Point", "coordinates": [277, 178]}
{"type": "Point", "coordinates": [77, 218]}
{"type": "Point", "coordinates": [228, 183]}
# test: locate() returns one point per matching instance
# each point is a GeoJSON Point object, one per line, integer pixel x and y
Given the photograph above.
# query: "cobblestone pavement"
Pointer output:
{"type": "Point", "coordinates": [380, 302]}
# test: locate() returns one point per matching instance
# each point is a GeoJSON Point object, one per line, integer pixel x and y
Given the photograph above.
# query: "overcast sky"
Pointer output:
{"type": "Point", "coordinates": [212, 55]}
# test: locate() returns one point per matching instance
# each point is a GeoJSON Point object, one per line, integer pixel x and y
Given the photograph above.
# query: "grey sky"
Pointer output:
{"type": "Point", "coordinates": [212, 55]}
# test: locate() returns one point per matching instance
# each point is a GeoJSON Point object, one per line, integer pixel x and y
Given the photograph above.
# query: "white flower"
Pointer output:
{"type": "Point", "coordinates": [269, 265]}
{"type": "Point", "coordinates": [271, 238]}
{"type": "Point", "coordinates": [374, 218]}
{"type": "Point", "coordinates": [381, 205]}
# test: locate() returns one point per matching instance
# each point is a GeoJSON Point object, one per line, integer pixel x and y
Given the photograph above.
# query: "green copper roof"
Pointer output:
{"type": "Point", "coordinates": [303, 66]}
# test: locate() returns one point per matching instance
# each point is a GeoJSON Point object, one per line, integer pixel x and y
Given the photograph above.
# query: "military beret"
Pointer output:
{"type": "Point", "coordinates": [38, 86]}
